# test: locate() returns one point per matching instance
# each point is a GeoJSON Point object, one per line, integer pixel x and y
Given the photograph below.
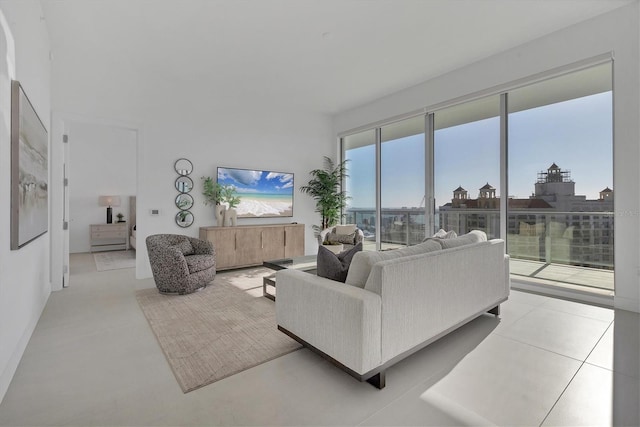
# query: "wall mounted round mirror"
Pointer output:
{"type": "Point", "coordinates": [184, 167]}
{"type": "Point", "coordinates": [184, 202]}
{"type": "Point", "coordinates": [184, 184]}
{"type": "Point", "coordinates": [184, 219]}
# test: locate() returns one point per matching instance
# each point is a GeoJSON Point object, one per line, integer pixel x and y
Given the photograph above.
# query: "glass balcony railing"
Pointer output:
{"type": "Point", "coordinates": [400, 227]}
{"type": "Point", "coordinates": [582, 239]}
{"type": "Point", "coordinates": [535, 238]}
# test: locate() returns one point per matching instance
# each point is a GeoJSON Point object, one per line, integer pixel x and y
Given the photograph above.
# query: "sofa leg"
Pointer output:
{"type": "Point", "coordinates": [495, 310]}
{"type": "Point", "coordinates": [378, 380]}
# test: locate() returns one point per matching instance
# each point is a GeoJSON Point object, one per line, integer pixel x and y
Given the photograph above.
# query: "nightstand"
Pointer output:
{"type": "Point", "coordinates": [108, 237]}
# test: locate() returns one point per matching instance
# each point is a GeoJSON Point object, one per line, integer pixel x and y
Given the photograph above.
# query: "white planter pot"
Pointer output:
{"type": "Point", "coordinates": [230, 217]}
{"type": "Point", "coordinates": [219, 212]}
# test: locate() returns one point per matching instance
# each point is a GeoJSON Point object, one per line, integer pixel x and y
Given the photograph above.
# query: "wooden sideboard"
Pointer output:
{"type": "Point", "coordinates": [248, 245]}
{"type": "Point", "coordinates": [108, 237]}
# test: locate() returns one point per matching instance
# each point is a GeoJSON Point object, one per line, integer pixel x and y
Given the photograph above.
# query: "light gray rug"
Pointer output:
{"type": "Point", "coordinates": [114, 260]}
{"type": "Point", "coordinates": [219, 331]}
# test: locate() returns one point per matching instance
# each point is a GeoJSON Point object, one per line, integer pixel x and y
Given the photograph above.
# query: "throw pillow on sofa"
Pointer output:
{"type": "Point", "coordinates": [441, 234]}
{"type": "Point", "coordinates": [474, 236]}
{"type": "Point", "coordinates": [362, 262]}
{"type": "Point", "coordinates": [335, 266]}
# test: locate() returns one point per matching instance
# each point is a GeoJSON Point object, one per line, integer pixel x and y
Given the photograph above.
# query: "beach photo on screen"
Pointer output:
{"type": "Point", "coordinates": [263, 193]}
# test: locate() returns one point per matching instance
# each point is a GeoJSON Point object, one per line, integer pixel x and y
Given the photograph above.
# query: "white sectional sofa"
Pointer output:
{"type": "Point", "coordinates": [393, 302]}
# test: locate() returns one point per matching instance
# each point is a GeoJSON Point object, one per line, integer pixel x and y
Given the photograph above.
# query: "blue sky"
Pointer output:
{"type": "Point", "coordinates": [574, 134]}
{"type": "Point", "coordinates": [256, 181]}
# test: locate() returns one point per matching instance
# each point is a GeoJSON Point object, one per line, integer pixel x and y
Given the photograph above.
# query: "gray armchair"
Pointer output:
{"type": "Point", "coordinates": [348, 235]}
{"type": "Point", "coordinates": [180, 264]}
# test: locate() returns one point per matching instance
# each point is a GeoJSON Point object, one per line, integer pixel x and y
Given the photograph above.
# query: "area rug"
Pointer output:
{"type": "Point", "coordinates": [218, 331]}
{"type": "Point", "coordinates": [114, 260]}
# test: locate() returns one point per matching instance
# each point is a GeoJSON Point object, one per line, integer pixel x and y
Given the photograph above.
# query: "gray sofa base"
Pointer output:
{"type": "Point", "coordinates": [377, 377]}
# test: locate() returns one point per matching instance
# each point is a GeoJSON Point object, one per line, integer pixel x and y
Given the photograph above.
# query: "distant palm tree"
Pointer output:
{"type": "Point", "coordinates": [326, 189]}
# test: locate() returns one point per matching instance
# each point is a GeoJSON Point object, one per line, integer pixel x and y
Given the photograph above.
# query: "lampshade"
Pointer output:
{"type": "Point", "coordinates": [109, 200]}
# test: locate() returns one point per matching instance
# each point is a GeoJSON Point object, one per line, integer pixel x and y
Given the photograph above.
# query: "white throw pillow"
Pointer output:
{"type": "Point", "coordinates": [363, 261]}
{"type": "Point", "coordinates": [474, 236]}
{"type": "Point", "coordinates": [441, 234]}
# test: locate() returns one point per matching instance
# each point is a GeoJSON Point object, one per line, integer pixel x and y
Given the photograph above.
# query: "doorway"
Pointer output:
{"type": "Point", "coordinates": [101, 169]}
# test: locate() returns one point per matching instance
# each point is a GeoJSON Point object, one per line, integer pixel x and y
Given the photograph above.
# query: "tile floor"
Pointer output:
{"type": "Point", "coordinates": [93, 360]}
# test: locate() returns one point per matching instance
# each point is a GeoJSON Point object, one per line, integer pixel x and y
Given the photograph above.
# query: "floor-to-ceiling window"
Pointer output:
{"type": "Point", "coordinates": [560, 212]}
{"type": "Point", "coordinates": [555, 184]}
{"type": "Point", "coordinates": [359, 149]}
{"type": "Point", "coordinates": [467, 167]}
{"type": "Point", "coordinates": [402, 173]}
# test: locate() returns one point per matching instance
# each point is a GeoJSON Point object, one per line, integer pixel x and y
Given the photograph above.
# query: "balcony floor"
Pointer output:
{"type": "Point", "coordinates": [560, 274]}
{"type": "Point", "coordinates": [581, 276]}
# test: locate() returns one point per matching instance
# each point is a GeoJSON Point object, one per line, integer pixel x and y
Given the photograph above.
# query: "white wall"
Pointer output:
{"type": "Point", "coordinates": [219, 135]}
{"type": "Point", "coordinates": [175, 121]}
{"type": "Point", "coordinates": [615, 32]}
{"type": "Point", "coordinates": [102, 161]}
{"type": "Point", "coordinates": [24, 274]}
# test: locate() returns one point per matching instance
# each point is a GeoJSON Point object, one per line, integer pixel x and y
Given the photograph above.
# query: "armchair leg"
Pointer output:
{"type": "Point", "coordinates": [495, 310]}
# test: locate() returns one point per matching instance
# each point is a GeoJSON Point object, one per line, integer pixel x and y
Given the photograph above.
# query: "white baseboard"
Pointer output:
{"type": "Point", "coordinates": [12, 364]}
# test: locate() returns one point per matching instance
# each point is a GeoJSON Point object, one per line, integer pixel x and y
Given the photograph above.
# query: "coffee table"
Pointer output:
{"type": "Point", "coordinates": [305, 263]}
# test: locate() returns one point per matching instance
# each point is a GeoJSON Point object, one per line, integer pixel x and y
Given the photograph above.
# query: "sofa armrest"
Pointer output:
{"type": "Point", "coordinates": [340, 320]}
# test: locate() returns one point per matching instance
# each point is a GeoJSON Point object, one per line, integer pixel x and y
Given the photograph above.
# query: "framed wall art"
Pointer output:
{"type": "Point", "coordinates": [29, 171]}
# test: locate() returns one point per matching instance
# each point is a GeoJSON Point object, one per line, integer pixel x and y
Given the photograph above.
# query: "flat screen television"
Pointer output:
{"type": "Point", "coordinates": [263, 193]}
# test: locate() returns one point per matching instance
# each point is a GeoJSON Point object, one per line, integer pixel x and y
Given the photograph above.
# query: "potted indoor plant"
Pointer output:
{"type": "Point", "coordinates": [223, 197]}
{"type": "Point", "coordinates": [211, 191]}
{"type": "Point", "coordinates": [325, 187]}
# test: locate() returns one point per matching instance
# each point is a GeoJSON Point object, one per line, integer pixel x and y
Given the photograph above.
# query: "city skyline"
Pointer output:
{"type": "Point", "coordinates": [576, 135]}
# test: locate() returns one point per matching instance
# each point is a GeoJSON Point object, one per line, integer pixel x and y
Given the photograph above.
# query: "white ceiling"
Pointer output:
{"type": "Point", "coordinates": [317, 55]}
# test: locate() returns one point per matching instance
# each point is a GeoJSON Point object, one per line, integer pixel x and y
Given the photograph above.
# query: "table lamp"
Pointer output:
{"type": "Point", "coordinates": [109, 201]}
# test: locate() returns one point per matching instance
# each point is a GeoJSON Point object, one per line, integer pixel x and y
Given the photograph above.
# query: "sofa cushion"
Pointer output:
{"type": "Point", "coordinates": [335, 266]}
{"type": "Point", "coordinates": [474, 236]}
{"type": "Point", "coordinates": [197, 263]}
{"type": "Point", "coordinates": [363, 261]}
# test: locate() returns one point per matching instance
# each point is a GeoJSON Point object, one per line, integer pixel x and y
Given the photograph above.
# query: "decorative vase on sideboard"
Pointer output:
{"type": "Point", "coordinates": [219, 212]}
{"type": "Point", "coordinates": [230, 217]}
